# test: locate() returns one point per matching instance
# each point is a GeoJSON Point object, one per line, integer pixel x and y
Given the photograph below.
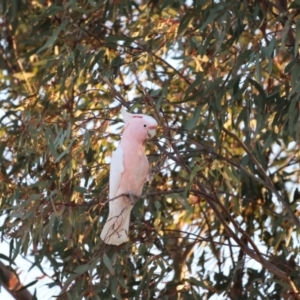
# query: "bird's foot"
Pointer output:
{"type": "Point", "coordinates": [132, 198]}
{"type": "Point", "coordinates": [155, 170]}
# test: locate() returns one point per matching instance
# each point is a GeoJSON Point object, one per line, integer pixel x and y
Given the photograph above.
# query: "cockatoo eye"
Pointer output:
{"type": "Point", "coordinates": [145, 125]}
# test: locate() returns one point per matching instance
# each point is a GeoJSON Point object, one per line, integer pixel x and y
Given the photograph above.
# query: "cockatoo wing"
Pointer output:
{"type": "Point", "coordinates": [116, 227]}
{"type": "Point", "coordinates": [116, 170]}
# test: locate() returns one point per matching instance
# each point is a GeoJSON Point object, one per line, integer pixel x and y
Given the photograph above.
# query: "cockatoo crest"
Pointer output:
{"type": "Point", "coordinates": [125, 114]}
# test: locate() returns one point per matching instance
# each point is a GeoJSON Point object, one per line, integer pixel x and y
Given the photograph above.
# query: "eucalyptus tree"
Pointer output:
{"type": "Point", "coordinates": [220, 217]}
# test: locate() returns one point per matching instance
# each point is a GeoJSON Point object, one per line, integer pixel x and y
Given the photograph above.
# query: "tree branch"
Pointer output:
{"type": "Point", "coordinates": [10, 281]}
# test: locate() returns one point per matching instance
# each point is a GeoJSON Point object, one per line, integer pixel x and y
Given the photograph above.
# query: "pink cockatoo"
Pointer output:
{"type": "Point", "coordinates": [129, 170]}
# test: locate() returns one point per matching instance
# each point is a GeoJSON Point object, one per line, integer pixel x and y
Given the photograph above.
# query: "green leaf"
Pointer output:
{"type": "Point", "coordinates": [82, 269]}
{"type": "Point", "coordinates": [270, 49]}
{"type": "Point", "coordinates": [2, 256]}
{"type": "Point", "coordinates": [294, 4]}
{"type": "Point", "coordinates": [193, 121]}
{"type": "Point", "coordinates": [114, 288]}
{"type": "Point", "coordinates": [108, 264]}
{"type": "Point", "coordinates": [51, 41]}
{"type": "Point", "coordinates": [231, 174]}
{"type": "Point", "coordinates": [87, 140]}
{"type": "Point", "coordinates": [35, 197]}
{"type": "Point", "coordinates": [297, 39]}
{"type": "Point", "coordinates": [258, 87]}
{"type": "Point", "coordinates": [257, 68]}
{"type": "Point", "coordinates": [210, 19]}
{"type": "Point", "coordinates": [197, 82]}
{"type": "Point", "coordinates": [285, 31]}
{"type": "Point", "coordinates": [184, 23]}
{"type": "Point", "coordinates": [51, 143]}
{"type": "Point", "coordinates": [117, 38]}
{"type": "Point", "coordinates": [80, 189]}
{"type": "Point", "coordinates": [291, 64]}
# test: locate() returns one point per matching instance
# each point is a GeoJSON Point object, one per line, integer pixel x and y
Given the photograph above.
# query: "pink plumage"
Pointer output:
{"type": "Point", "coordinates": [129, 170]}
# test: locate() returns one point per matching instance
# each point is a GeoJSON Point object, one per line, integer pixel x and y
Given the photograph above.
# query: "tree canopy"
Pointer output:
{"type": "Point", "coordinates": [220, 218]}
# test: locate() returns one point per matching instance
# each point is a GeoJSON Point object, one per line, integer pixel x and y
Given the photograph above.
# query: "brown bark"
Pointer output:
{"type": "Point", "coordinates": [10, 281]}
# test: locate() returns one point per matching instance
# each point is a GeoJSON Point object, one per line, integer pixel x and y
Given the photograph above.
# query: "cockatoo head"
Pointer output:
{"type": "Point", "coordinates": [139, 126]}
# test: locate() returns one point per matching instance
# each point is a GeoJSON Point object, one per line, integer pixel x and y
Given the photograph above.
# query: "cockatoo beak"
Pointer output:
{"type": "Point", "coordinates": [152, 132]}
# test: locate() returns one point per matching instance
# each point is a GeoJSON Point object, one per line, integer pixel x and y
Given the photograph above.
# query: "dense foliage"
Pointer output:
{"type": "Point", "coordinates": [220, 218]}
